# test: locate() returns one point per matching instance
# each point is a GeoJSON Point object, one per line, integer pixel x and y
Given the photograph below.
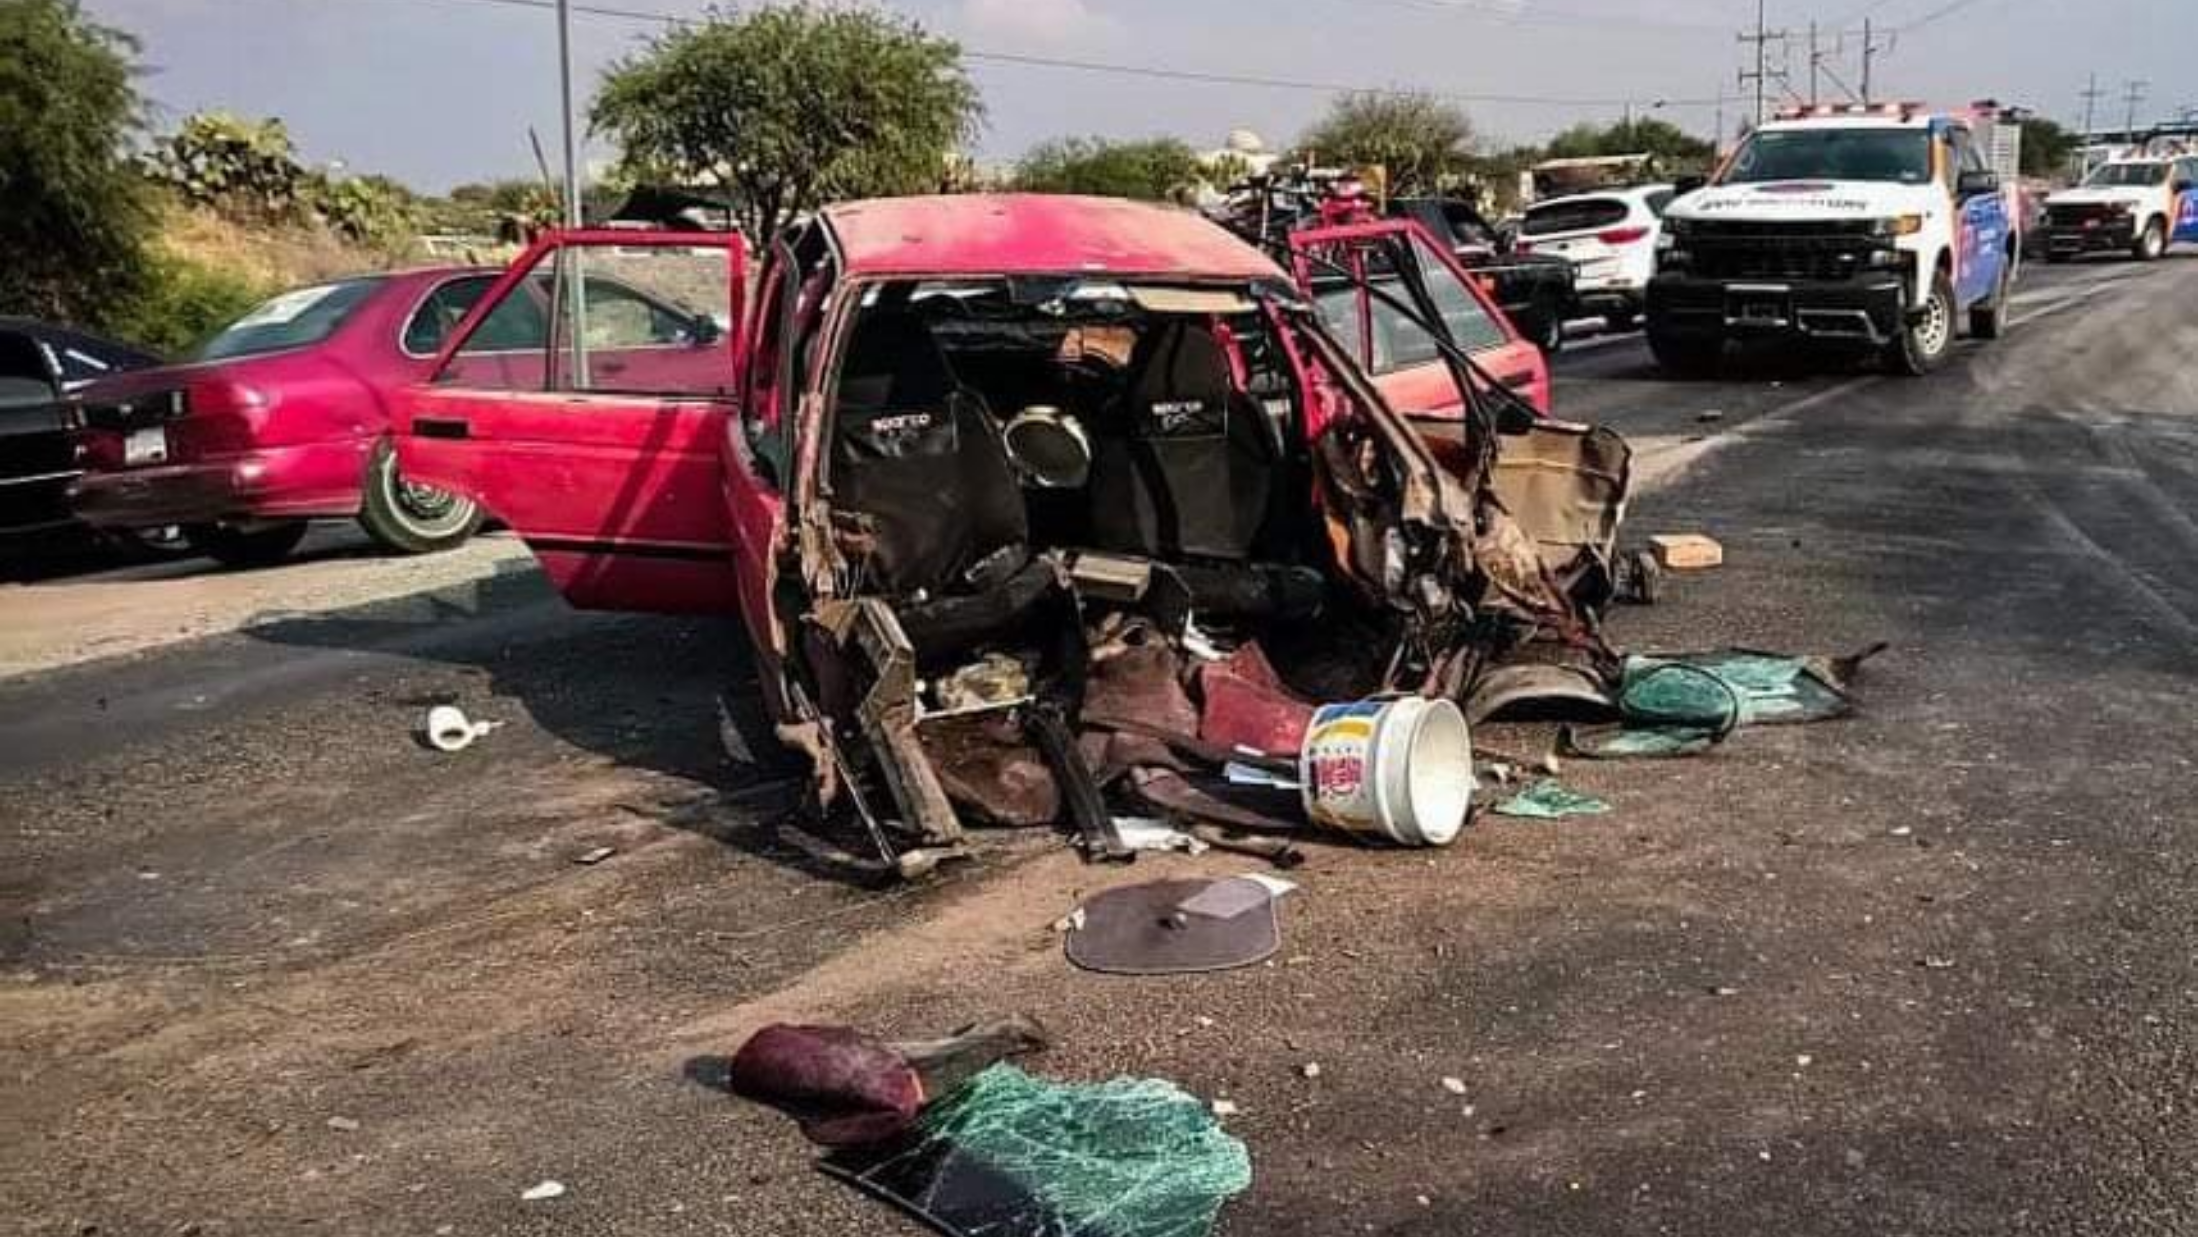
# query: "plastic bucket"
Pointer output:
{"type": "Point", "coordinates": [1396, 769]}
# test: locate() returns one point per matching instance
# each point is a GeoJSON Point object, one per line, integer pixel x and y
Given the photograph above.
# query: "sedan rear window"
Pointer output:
{"type": "Point", "coordinates": [1577, 215]}
{"type": "Point", "coordinates": [292, 320]}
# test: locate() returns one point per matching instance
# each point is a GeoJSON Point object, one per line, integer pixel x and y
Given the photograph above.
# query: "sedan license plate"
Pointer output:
{"type": "Point", "coordinates": [146, 446]}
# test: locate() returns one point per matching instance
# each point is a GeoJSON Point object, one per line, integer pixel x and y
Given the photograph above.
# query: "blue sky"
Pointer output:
{"type": "Point", "coordinates": [441, 91]}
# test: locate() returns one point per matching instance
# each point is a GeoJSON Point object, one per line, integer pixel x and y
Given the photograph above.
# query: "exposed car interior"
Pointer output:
{"type": "Point", "coordinates": [979, 425]}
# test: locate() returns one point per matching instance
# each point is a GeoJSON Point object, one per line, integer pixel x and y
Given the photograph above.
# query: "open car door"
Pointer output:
{"type": "Point", "coordinates": [586, 403]}
{"type": "Point", "coordinates": [1338, 266]}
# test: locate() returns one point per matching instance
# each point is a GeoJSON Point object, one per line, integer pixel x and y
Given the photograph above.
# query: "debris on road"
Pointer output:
{"type": "Point", "coordinates": [448, 729]}
{"type": "Point", "coordinates": [1686, 551]}
{"type": "Point", "coordinates": [543, 1192]}
{"type": "Point", "coordinates": [1455, 1086]}
{"type": "Point", "coordinates": [846, 1087]}
{"type": "Point", "coordinates": [1178, 927]}
{"type": "Point", "coordinates": [1010, 1155]}
{"type": "Point", "coordinates": [596, 855]}
{"type": "Point", "coordinates": [343, 1125]}
{"type": "Point", "coordinates": [1549, 799]}
{"type": "Point", "coordinates": [1399, 770]}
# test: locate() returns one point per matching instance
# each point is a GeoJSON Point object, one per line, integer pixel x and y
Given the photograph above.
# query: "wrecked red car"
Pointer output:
{"type": "Point", "coordinates": [1016, 495]}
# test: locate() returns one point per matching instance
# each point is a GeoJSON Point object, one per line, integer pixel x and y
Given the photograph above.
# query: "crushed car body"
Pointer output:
{"type": "Point", "coordinates": [1035, 509]}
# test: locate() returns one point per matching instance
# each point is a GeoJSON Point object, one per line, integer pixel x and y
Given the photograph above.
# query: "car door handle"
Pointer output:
{"type": "Point", "coordinates": [441, 427]}
{"type": "Point", "coordinates": [1520, 380]}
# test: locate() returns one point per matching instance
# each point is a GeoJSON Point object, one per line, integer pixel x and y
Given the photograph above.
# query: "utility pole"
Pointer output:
{"type": "Point", "coordinates": [1870, 52]}
{"type": "Point", "coordinates": [1762, 38]}
{"type": "Point", "coordinates": [2132, 96]}
{"type": "Point", "coordinates": [573, 217]}
{"type": "Point", "coordinates": [2091, 96]}
{"type": "Point", "coordinates": [1816, 59]}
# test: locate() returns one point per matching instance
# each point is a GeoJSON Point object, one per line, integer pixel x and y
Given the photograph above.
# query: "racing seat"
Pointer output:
{"type": "Point", "coordinates": [918, 459]}
{"type": "Point", "coordinates": [1185, 466]}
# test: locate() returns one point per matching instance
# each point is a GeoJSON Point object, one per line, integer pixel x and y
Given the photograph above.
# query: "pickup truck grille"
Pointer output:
{"type": "Point", "coordinates": [2077, 214]}
{"type": "Point", "coordinates": [1780, 251]}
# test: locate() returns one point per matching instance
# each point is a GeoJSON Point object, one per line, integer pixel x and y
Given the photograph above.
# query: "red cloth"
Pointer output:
{"type": "Point", "coordinates": [844, 1087]}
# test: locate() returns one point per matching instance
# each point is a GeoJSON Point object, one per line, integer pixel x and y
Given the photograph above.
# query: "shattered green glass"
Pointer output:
{"type": "Point", "coordinates": [1009, 1155]}
{"type": "Point", "coordinates": [1765, 688]}
{"type": "Point", "coordinates": [1551, 800]}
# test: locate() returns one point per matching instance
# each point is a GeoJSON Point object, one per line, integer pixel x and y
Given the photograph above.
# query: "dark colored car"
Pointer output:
{"type": "Point", "coordinates": [1535, 290]}
{"type": "Point", "coordinates": [40, 365]}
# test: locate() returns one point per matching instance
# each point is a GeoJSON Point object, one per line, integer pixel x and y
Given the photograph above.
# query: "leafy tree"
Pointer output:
{"type": "Point", "coordinates": [370, 210]}
{"type": "Point", "coordinates": [791, 106]}
{"type": "Point", "coordinates": [72, 210]}
{"type": "Point", "coordinates": [243, 168]}
{"type": "Point", "coordinates": [1420, 140]}
{"type": "Point", "coordinates": [2048, 148]}
{"type": "Point", "coordinates": [1155, 170]}
{"type": "Point", "coordinates": [1672, 145]}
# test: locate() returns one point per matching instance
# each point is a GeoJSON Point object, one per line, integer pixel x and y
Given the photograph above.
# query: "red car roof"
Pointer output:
{"type": "Point", "coordinates": [1038, 234]}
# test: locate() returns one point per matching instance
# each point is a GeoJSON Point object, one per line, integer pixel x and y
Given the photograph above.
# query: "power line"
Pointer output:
{"type": "Point", "coordinates": [1762, 38]}
{"type": "Point", "coordinates": [1154, 72]}
{"type": "Point", "coordinates": [2133, 94]}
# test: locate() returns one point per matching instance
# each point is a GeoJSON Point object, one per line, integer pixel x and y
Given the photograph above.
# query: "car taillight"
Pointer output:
{"type": "Point", "coordinates": [222, 397]}
{"type": "Point", "coordinates": [1622, 236]}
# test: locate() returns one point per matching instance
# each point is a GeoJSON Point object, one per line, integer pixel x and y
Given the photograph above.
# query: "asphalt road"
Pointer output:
{"type": "Point", "coordinates": [270, 966]}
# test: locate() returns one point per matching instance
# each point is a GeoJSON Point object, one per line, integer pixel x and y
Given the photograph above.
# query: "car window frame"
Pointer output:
{"type": "Point", "coordinates": [404, 327]}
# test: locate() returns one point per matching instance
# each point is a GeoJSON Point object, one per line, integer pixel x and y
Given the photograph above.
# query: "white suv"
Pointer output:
{"type": "Point", "coordinates": [2138, 206]}
{"type": "Point", "coordinates": [1609, 236]}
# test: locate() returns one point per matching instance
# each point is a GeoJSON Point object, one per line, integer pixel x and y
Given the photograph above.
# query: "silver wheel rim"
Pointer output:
{"type": "Point", "coordinates": [1932, 332]}
{"type": "Point", "coordinates": [2153, 243]}
{"type": "Point", "coordinates": [425, 510]}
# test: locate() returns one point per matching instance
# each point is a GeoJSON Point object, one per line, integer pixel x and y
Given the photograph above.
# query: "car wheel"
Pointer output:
{"type": "Point", "coordinates": [1545, 328]}
{"type": "Point", "coordinates": [1989, 320]}
{"type": "Point", "coordinates": [2153, 242]}
{"type": "Point", "coordinates": [260, 545]}
{"type": "Point", "coordinates": [1686, 356]}
{"type": "Point", "coordinates": [1925, 340]}
{"type": "Point", "coordinates": [408, 517]}
{"type": "Point", "coordinates": [165, 541]}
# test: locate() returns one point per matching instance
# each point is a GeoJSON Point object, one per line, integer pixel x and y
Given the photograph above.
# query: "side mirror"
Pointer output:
{"type": "Point", "coordinates": [1976, 184]}
{"type": "Point", "coordinates": [1687, 184]}
{"type": "Point", "coordinates": [2185, 186]}
{"type": "Point", "coordinates": [704, 331]}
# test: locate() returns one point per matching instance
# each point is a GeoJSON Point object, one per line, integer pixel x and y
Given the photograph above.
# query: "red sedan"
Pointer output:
{"type": "Point", "coordinates": [283, 417]}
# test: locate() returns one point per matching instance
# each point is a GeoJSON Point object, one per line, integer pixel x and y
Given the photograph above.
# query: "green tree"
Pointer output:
{"type": "Point", "coordinates": [1155, 170]}
{"type": "Point", "coordinates": [1672, 145]}
{"type": "Point", "coordinates": [73, 214]}
{"type": "Point", "coordinates": [790, 106]}
{"type": "Point", "coordinates": [1421, 141]}
{"type": "Point", "coordinates": [2048, 148]}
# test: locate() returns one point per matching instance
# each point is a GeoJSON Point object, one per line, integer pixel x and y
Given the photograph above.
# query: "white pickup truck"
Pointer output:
{"type": "Point", "coordinates": [1872, 228]}
{"type": "Point", "coordinates": [2136, 206]}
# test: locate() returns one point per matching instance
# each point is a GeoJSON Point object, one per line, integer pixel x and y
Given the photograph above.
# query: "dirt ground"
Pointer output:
{"type": "Point", "coordinates": [271, 966]}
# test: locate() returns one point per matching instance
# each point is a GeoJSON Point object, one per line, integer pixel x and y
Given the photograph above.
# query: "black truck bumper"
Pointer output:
{"type": "Point", "coordinates": [1864, 310]}
{"type": "Point", "coordinates": [2099, 237]}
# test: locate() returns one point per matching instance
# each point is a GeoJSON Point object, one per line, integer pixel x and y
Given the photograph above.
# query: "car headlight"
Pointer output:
{"type": "Point", "coordinates": [1899, 225]}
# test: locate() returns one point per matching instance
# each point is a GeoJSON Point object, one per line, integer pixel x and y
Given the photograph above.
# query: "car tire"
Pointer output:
{"type": "Point", "coordinates": [1544, 327]}
{"type": "Point", "coordinates": [1686, 356]}
{"type": "Point", "coordinates": [1923, 343]}
{"type": "Point", "coordinates": [261, 545]}
{"type": "Point", "coordinates": [408, 518]}
{"type": "Point", "coordinates": [1988, 320]}
{"type": "Point", "coordinates": [2152, 242]}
